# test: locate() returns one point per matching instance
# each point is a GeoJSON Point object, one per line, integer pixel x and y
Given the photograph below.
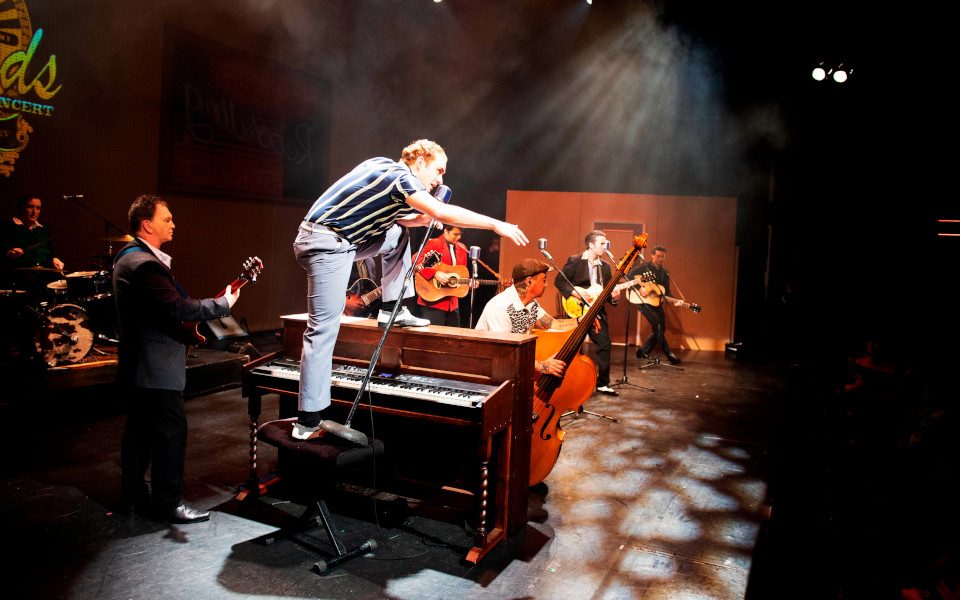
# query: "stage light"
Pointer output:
{"type": "Point", "coordinates": [838, 73]}
{"type": "Point", "coordinates": [590, 2]}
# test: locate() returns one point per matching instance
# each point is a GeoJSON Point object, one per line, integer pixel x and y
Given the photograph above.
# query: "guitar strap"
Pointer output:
{"type": "Point", "coordinates": [176, 284]}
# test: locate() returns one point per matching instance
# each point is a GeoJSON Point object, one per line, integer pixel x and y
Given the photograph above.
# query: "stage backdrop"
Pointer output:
{"type": "Point", "coordinates": [235, 125]}
{"type": "Point", "coordinates": [698, 232]}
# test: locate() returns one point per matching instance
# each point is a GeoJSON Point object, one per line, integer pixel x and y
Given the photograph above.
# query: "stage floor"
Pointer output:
{"type": "Point", "coordinates": [666, 502]}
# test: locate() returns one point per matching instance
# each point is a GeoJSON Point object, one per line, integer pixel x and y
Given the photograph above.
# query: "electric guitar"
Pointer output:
{"type": "Point", "coordinates": [251, 269]}
{"type": "Point", "coordinates": [362, 303]}
{"type": "Point", "coordinates": [458, 285]}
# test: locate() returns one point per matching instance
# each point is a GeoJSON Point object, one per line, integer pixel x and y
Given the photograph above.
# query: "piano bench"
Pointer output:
{"type": "Point", "coordinates": [322, 458]}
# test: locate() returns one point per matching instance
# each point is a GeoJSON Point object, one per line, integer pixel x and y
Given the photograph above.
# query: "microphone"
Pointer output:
{"type": "Point", "coordinates": [443, 193]}
{"type": "Point", "coordinates": [610, 254]}
{"type": "Point", "coordinates": [542, 244]}
{"type": "Point", "coordinates": [474, 255]}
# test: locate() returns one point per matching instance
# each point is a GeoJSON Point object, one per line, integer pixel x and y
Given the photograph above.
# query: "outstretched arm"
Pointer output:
{"type": "Point", "coordinates": [457, 215]}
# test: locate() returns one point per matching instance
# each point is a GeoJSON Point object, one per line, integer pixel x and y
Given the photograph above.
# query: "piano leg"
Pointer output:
{"type": "Point", "coordinates": [485, 541]}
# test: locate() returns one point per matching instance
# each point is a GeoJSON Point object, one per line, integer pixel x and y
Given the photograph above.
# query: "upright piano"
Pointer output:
{"type": "Point", "coordinates": [452, 406]}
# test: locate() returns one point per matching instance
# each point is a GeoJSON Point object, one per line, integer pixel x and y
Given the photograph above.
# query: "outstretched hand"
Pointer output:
{"type": "Point", "coordinates": [511, 231]}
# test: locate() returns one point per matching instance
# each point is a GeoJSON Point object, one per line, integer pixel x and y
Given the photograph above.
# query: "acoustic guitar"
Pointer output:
{"type": "Point", "coordinates": [251, 270]}
{"type": "Point", "coordinates": [644, 290]}
{"type": "Point", "coordinates": [458, 285]}
{"type": "Point", "coordinates": [574, 305]}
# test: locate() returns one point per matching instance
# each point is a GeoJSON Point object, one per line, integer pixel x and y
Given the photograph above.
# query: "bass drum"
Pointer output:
{"type": "Point", "coordinates": [65, 336]}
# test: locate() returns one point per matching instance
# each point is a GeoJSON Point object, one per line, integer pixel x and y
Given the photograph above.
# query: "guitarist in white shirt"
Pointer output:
{"type": "Point", "coordinates": [586, 271]}
{"type": "Point", "coordinates": [654, 313]}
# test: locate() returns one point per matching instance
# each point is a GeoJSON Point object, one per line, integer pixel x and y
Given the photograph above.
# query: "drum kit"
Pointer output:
{"type": "Point", "coordinates": [64, 314]}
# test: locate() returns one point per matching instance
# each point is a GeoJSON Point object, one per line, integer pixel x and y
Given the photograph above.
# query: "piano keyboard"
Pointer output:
{"type": "Point", "coordinates": [435, 389]}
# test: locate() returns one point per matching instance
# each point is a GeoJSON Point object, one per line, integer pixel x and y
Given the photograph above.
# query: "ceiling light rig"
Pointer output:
{"type": "Point", "coordinates": [838, 73]}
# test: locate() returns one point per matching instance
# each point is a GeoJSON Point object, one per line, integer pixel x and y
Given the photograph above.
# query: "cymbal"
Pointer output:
{"type": "Point", "coordinates": [118, 238]}
{"type": "Point", "coordinates": [38, 269]}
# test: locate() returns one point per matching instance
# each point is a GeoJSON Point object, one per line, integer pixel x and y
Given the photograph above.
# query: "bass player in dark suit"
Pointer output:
{"type": "Point", "coordinates": [585, 271]}
{"type": "Point", "coordinates": [151, 370]}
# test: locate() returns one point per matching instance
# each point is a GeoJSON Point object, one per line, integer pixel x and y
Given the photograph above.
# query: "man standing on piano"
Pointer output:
{"type": "Point", "coordinates": [366, 213]}
{"type": "Point", "coordinates": [516, 310]}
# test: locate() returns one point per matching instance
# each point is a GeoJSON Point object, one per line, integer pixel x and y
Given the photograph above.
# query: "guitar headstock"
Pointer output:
{"type": "Point", "coordinates": [647, 276]}
{"type": "Point", "coordinates": [430, 259]}
{"type": "Point", "coordinates": [695, 308]}
{"type": "Point", "coordinates": [251, 268]}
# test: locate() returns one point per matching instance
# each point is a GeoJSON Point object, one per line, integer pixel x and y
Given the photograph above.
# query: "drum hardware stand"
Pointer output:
{"type": "Point", "coordinates": [107, 223]}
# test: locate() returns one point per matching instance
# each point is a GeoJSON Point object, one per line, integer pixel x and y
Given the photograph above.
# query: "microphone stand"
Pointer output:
{"type": "Point", "coordinates": [626, 348]}
{"type": "Point", "coordinates": [473, 285]}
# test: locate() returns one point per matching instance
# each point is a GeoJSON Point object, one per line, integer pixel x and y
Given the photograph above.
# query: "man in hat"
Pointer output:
{"type": "Point", "coordinates": [516, 310]}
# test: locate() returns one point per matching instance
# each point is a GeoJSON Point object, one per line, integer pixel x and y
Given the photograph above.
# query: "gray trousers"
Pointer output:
{"type": "Point", "coordinates": [327, 259]}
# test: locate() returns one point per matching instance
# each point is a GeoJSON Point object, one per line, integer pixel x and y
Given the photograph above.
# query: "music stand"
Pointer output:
{"type": "Point", "coordinates": [626, 348]}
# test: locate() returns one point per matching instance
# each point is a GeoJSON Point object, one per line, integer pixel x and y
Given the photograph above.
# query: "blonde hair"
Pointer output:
{"type": "Point", "coordinates": [425, 148]}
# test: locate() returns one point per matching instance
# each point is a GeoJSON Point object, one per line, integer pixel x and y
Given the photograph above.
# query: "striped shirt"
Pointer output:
{"type": "Point", "coordinates": [366, 202]}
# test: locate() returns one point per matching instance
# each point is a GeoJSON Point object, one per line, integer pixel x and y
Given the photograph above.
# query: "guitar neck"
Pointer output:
{"type": "Point", "coordinates": [371, 296]}
{"type": "Point", "coordinates": [235, 285]}
{"type": "Point", "coordinates": [683, 303]}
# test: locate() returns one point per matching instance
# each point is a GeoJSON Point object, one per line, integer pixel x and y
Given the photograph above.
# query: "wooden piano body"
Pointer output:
{"type": "Point", "coordinates": [475, 459]}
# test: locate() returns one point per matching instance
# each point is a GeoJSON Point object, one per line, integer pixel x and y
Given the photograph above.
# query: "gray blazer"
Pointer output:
{"type": "Point", "coordinates": [150, 309]}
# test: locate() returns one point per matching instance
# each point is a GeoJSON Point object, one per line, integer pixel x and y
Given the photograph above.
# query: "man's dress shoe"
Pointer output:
{"type": "Point", "coordinates": [673, 358]}
{"type": "Point", "coordinates": [184, 514]}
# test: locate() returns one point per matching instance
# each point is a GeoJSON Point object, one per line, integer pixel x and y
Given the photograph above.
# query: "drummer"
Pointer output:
{"type": "Point", "coordinates": [25, 242]}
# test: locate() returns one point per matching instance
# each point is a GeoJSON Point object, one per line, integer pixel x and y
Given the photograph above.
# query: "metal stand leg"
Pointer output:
{"type": "Point", "coordinates": [626, 348]}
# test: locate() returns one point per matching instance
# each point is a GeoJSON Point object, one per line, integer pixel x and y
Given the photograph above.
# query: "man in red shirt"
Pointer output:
{"type": "Point", "coordinates": [446, 310]}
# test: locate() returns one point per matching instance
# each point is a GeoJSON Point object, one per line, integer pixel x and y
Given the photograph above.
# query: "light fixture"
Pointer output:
{"type": "Point", "coordinates": [838, 73]}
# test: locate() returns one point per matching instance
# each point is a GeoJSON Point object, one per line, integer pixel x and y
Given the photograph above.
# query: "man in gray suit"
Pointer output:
{"type": "Point", "coordinates": [151, 307]}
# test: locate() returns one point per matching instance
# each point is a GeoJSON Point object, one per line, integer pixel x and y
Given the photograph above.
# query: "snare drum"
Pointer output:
{"type": "Point", "coordinates": [65, 335]}
{"type": "Point", "coordinates": [82, 285]}
{"type": "Point", "coordinates": [57, 292]}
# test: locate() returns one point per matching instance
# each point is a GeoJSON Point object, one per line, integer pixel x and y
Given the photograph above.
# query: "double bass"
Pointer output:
{"type": "Point", "coordinates": [552, 395]}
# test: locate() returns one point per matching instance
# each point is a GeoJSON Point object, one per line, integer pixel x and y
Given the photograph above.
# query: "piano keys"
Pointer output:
{"type": "Point", "coordinates": [453, 408]}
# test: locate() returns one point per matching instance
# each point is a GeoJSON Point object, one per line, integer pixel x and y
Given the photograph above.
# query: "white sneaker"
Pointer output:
{"type": "Point", "coordinates": [404, 319]}
{"type": "Point", "coordinates": [302, 432]}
